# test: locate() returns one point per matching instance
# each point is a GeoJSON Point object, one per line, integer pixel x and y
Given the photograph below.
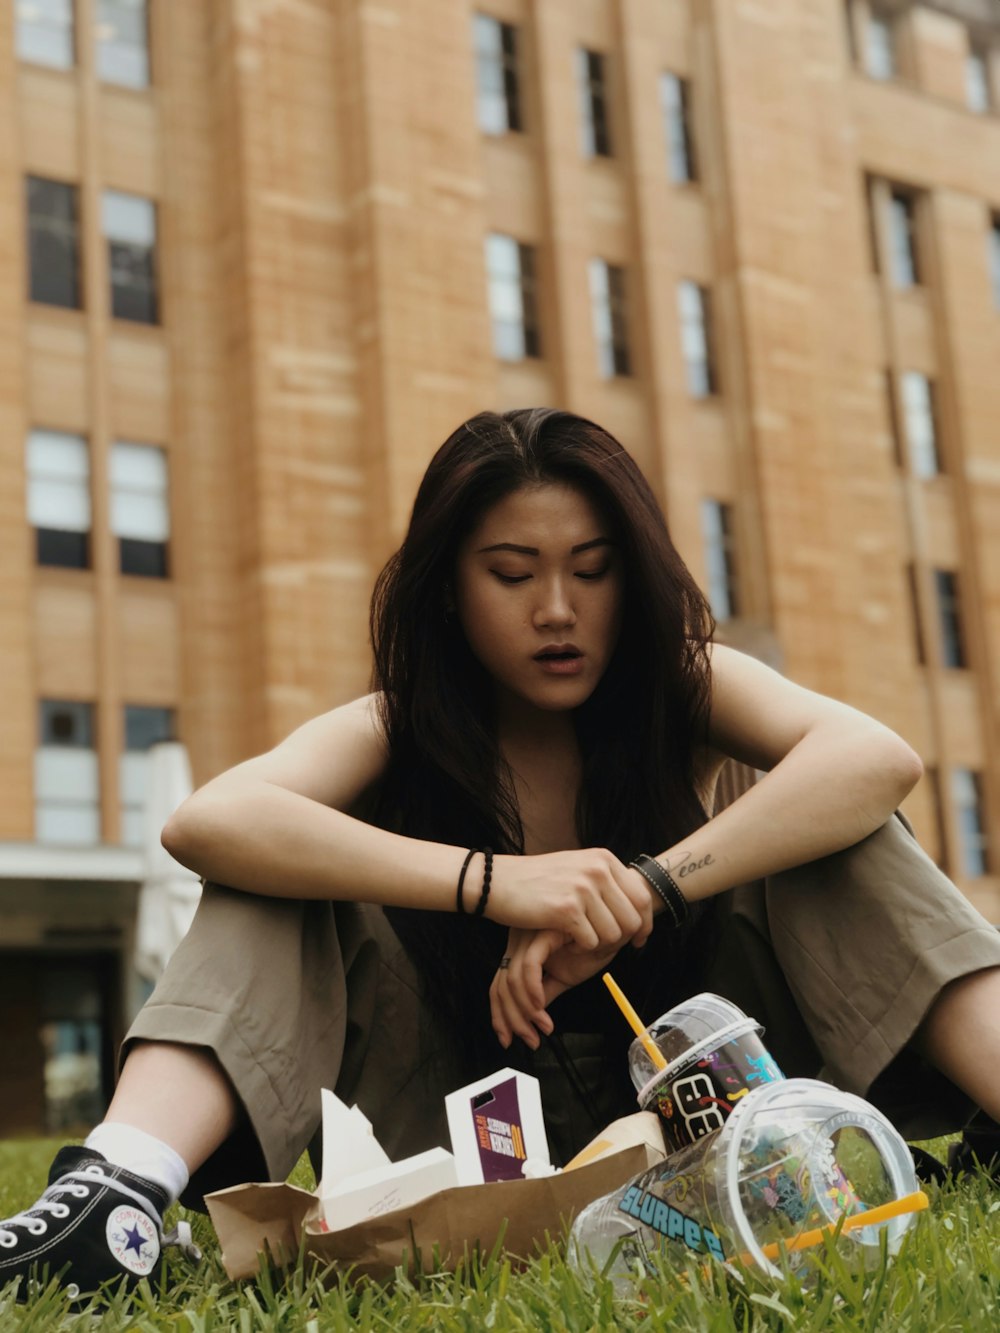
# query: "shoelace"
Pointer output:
{"type": "Point", "coordinates": [75, 1183]}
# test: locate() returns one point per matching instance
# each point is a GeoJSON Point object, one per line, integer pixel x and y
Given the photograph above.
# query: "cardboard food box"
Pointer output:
{"type": "Point", "coordinates": [361, 1226]}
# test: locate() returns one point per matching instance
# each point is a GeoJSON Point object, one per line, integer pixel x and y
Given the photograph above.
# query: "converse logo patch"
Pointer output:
{"type": "Point", "coordinates": [133, 1239]}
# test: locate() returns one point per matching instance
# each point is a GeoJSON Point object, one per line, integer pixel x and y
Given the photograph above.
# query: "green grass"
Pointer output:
{"type": "Point", "coordinates": [946, 1277]}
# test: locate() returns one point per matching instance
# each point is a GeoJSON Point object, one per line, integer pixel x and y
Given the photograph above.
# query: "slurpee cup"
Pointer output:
{"type": "Point", "coordinates": [714, 1057]}
{"type": "Point", "coordinates": [791, 1159]}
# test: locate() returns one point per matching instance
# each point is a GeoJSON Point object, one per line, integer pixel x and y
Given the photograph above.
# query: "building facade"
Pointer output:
{"type": "Point", "coordinates": [259, 257]}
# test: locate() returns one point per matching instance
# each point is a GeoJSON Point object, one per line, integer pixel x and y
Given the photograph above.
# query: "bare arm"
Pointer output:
{"type": "Point", "coordinates": [277, 825]}
{"type": "Point", "coordinates": [832, 776]}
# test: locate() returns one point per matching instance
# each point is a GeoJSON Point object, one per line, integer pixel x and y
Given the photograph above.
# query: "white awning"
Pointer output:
{"type": "Point", "coordinates": [35, 860]}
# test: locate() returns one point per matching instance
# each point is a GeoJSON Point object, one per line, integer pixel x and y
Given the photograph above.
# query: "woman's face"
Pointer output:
{"type": "Point", "coordinates": [538, 592]}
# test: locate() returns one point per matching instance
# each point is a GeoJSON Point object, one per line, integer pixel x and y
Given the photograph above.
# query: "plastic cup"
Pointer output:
{"type": "Point", "coordinates": [793, 1156]}
{"type": "Point", "coordinates": [714, 1058]}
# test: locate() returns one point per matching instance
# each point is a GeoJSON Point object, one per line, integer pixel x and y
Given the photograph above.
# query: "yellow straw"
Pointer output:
{"type": "Point", "coordinates": [909, 1203]}
{"type": "Point", "coordinates": [635, 1022]}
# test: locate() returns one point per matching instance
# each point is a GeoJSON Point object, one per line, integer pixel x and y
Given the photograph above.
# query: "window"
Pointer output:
{"type": "Point", "coordinates": [950, 618]}
{"type": "Point", "coordinates": [918, 627]}
{"type": "Point", "coordinates": [53, 243]}
{"type": "Point", "coordinates": [881, 48]}
{"type": "Point", "coordinates": [130, 229]}
{"type": "Point", "coordinates": [720, 559]}
{"type": "Point", "coordinates": [977, 82]}
{"type": "Point", "coordinates": [995, 259]}
{"type": "Point", "coordinates": [123, 42]}
{"type": "Point", "coordinates": [607, 302]}
{"type": "Point", "coordinates": [592, 79]}
{"type": "Point", "coordinates": [144, 728]}
{"type": "Point", "coordinates": [921, 427]}
{"type": "Point", "coordinates": [904, 256]}
{"type": "Point", "coordinates": [498, 99]}
{"type": "Point", "coordinates": [58, 468]}
{"type": "Point", "coordinates": [45, 32]}
{"type": "Point", "coordinates": [967, 794]}
{"type": "Point", "coordinates": [67, 807]}
{"type": "Point", "coordinates": [510, 268]}
{"type": "Point", "coordinates": [140, 511]}
{"type": "Point", "coordinates": [696, 339]}
{"type": "Point", "coordinates": [675, 101]}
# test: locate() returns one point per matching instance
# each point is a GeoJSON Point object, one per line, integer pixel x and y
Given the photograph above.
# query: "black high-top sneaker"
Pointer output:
{"type": "Point", "coordinates": [94, 1223]}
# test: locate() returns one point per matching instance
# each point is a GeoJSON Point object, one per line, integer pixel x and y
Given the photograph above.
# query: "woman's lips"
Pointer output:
{"type": "Point", "coordinates": [564, 660]}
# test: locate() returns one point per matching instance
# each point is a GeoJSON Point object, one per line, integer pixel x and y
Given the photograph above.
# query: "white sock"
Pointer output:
{"type": "Point", "coordinates": [137, 1151]}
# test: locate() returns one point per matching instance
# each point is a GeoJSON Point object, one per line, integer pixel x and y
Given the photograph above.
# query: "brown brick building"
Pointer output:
{"type": "Point", "coordinates": [258, 257]}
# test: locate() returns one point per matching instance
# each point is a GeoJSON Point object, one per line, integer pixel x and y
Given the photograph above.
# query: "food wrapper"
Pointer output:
{"type": "Point", "coordinates": [278, 1219]}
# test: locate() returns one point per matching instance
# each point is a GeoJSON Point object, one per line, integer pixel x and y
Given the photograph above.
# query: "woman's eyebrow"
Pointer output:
{"type": "Point", "coordinates": [533, 550]}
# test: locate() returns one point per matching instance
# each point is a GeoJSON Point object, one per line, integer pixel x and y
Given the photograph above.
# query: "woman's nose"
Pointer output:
{"type": "Point", "coordinates": [555, 608]}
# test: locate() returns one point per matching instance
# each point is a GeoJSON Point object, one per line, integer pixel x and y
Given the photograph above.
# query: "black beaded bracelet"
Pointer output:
{"type": "Point", "coordinates": [487, 876]}
{"type": "Point", "coordinates": [459, 900]}
{"type": "Point", "coordinates": [664, 886]}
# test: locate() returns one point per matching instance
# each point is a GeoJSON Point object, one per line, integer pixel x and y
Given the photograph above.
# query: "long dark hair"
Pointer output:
{"type": "Point", "coordinates": [638, 731]}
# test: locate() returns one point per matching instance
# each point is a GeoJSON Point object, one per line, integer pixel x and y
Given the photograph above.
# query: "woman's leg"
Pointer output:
{"type": "Point", "coordinates": [180, 1095]}
{"type": "Point", "coordinates": [961, 1037]}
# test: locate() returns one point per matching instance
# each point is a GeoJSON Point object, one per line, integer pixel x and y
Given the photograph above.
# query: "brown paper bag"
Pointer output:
{"type": "Point", "coordinates": [251, 1218]}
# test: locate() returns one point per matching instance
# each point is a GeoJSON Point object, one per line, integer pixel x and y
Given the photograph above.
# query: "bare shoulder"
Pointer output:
{"type": "Point", "coordinates": [331, 758]}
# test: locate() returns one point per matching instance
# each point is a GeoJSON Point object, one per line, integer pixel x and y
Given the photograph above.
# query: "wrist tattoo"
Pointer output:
{"type": "Point", "coordinates": [683, 864]}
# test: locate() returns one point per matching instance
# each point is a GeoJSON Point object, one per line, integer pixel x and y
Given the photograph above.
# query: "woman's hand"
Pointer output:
{"type": "Point", "coordinates": [540, 965]}
{"type": "Point", "coordinates": [588, 897]}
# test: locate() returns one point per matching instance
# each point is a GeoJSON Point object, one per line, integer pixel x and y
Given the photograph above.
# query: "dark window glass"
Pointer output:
{"type": "Point", "coordinates": [594, 92]}
{"type": "Point", "coordinates": [133, 282]}
{"type": "Point", "coordinates": [619, 320]}
{"type": "Point", "coordinates": [145, 726]}
{"type": "Point", "coordinates": [68, 549]}
{"type": "Point", "coordinates": [675, 94]}
{"type": "Point", "coordinates": [66, 723]}
{"type": "Point", "coordinates": [53, 243]}
{"type": "Point", "coordinates": [146, 559]}
{"type": "Point", "coordinates": [949, 612]}
{"type": "Point", "coordinates": [529, 301]}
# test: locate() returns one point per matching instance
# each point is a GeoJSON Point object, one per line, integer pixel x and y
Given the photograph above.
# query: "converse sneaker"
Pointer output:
{"type": "Point", "coordinates": [95, 1222]}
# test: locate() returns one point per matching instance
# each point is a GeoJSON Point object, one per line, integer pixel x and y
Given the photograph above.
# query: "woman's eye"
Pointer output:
{"type": "Point", "coordinates": [592, 574]}
{"type": "Point", "coordinates": [509, 578]}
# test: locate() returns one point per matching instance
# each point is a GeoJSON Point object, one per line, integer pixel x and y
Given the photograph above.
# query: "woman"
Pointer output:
{"type": "Point", "coordinates": [545, 687]}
